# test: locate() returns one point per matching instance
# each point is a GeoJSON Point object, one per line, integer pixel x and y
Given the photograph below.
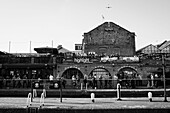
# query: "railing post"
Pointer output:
{"type": "Point", "coordinates": [31, 90]}
{"type": "Point", "coordinates": [164, 78]}
{"type": "Point", "coordinates": [86, 86]}
{"type": "Point", "coordinates": [81, 86]}
{"type": "Point", "coordinates": [60, 82]}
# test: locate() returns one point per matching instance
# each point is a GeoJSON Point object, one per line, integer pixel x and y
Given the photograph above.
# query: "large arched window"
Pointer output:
{"type": "Point", "coordinates": [127, 73]}
{"type": "Point", "coordinates": [72, 71]}
{"type": "Point", "coordinates": [100, 72]}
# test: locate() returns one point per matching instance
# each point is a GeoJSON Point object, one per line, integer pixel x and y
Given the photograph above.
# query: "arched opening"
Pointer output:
{"type": "Point", "coordinates": [127, 77]}
{"type": "Point", "coordinates": [102, 77]}
{"type": "Point", "coordinates": [98, 72]}
{"type": "Point", "coordinates": [72, 71]}
{"type": "Point", "coordinates": [72, 78]}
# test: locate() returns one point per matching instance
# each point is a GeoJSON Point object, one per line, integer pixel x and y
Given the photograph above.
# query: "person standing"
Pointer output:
{"type": "Point", "coordinates": [18, 81]}
{"type": "Point", "coordinates": [152, 80]}
{"type": "Point", "coordinates": [1, 81]}
{"type": "Point", "coordinates": [110, 81]}
{"type": "Point", "coordinates": [156, 80]}
{"type": "Point", "coordinates": [51, 77]}
{"type": "Point", "coordinates": [85, 80]}
{"type": "Point", "coordinates": [100, 81]}
{"type": "Point", "coordinates": [94, 82]}
{"type": "Point", "coordinates": [149, 80]}
{"type": "Point", "coordinates": [64, 82]}
{"type": "Point", "coordinates": [78, 80]}
{"type": "Point", "coordinates": [25, 81]}
{"type": "Point", "coordinates": [74, 81]}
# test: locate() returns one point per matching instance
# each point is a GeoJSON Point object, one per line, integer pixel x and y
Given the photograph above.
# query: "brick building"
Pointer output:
{"type": "Point", "coordinates": [109, 39]}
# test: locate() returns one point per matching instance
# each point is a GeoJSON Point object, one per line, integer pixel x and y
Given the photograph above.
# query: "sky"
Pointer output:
{"type": "Point", "coordinates": [27, 24]}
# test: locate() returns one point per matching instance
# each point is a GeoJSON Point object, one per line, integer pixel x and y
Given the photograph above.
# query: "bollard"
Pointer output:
{"type": "Point", "coordinates": [29, 99]}
{"type": "Point", "coordinates": [150, 96]}
{"type": "Point", "coordinates": [92, 97]}
{"type": "Point", "coordinates": [118, 92]}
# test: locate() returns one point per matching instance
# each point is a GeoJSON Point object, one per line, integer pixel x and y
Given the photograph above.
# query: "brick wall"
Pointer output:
{"type": "Point", "coordinates": [110, 38]}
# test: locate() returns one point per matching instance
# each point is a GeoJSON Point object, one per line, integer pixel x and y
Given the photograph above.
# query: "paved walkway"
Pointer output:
{"type": "Point", "coordinates": [86, 103]}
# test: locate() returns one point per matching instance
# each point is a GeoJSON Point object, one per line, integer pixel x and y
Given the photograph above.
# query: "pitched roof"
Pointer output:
{"type": "Point", "coordinates": [110, 24]}
{"type": "Point", "coordinates": [148, 49]}
{"type": "Point", "coordinates": [160, 48]}
{"type": "Point", "coordinates": [62, 49]}
{"type": "Point", "coordinates": [164, 45]}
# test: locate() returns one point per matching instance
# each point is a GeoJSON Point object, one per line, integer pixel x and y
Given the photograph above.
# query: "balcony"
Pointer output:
{"type": "Point", "coordinates": [27, 60]}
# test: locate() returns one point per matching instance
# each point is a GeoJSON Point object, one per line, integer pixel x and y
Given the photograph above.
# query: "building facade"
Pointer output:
{"type": "Point", "coordinates": [107, 53]}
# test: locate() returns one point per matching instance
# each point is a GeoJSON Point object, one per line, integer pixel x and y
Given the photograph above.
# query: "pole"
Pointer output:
{"type": "Point", "coordinates": [164, 78]}
{"type": "Point", "coordinates": [60, 90]}
{"type": "Point", "coordinates": [52, 43]}
{"type": "Point", "coordinates": [9, 46]}
{"type": "Point", "coordinates": [31, 91]}
{"type": "Point", "coordinates": [30, 46]}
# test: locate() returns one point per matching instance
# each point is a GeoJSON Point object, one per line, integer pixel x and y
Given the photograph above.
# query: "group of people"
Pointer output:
{"type": "Point", "coordinates": [153, 80]}
{"type": "Point", "coordinates": [97, 81]}
{"type": "Point", "coordinates": [75, 80]}
{"type": "Point", "coordinates": [14, 81]}
{"type": "Point", "coordinates": [130, 80]}
{"type": "Point", "coordinates": [62, 80]}
{"type": "Point", "coordinates": [92, 81]}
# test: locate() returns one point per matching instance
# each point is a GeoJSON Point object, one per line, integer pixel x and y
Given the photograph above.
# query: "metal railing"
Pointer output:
{"type": "Point", "coordinates": [81, 84]}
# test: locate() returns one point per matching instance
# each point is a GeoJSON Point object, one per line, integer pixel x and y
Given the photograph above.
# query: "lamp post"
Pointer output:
{"type": "Point", "coordinates": [164, 78]}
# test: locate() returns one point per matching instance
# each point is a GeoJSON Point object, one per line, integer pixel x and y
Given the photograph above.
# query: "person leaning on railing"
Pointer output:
{"type": "Point", "coordinates": [18, 81]}
{"type": "Point", "coordinates": [1, 82]}
{"type": "Point", "coordinates": [25, 81]}
{"type": "Point", "coordinates": [7, 81]}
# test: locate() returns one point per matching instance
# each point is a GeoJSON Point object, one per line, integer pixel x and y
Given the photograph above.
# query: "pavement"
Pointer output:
{"type": "Point", "coordinates": [86, 103]}
{"type": "Point", "coordinates": [77, 93]}
{"type": "Point", "coordinates": [76, 100]}
{"type": "Point", "coordinates": [132, 101]}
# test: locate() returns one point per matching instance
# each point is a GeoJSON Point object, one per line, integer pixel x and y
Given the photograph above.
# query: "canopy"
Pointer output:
{"type": "Point", "coordinates": [46, 50]}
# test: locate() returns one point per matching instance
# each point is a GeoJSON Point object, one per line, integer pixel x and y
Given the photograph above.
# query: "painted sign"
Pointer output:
{"type": "Point", "coordinates": [126, 59]}
{"type": "Point", "coordinates": [82, 60]}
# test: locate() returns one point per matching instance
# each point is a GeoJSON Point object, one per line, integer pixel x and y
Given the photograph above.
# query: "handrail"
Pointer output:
{"type": "Point", "coordinates": [42, 99]}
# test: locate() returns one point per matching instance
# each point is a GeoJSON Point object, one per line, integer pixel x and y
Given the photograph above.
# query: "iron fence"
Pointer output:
{"type": "Point", "coordinates": [83, 84]}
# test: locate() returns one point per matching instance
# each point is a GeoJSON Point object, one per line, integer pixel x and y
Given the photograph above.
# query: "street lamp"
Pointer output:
{"type": "Point", "coordinates": [164, 78]}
